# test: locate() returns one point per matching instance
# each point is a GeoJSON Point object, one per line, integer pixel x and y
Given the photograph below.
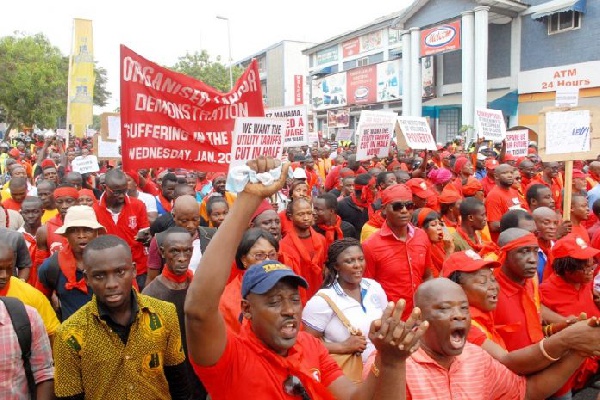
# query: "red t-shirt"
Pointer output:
{"type": "Point", "coordinates": [518, 316]}
{"type": "Point", "coordinates": [245, 371]}
{"type": "Point", "coordinates": [132, 218]}
{"type": "Point", "coordinates": [11, 204]}
{"type": "Point", "coordinates": [497, 203]}
{"type": "Point", "coordinates": [397, 265]}
{"type": "Point", "coordinates": [566, 300]}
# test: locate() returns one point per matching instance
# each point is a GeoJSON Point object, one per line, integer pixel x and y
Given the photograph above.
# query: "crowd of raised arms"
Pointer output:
{"type": "Point", "coordinates": [447, 274]}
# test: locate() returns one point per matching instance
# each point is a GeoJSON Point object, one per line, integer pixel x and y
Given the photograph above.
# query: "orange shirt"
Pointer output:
{"type": "Point", "coordinates": [248, 367]}
{"type": "Point", "coordinates": [497, 203]}
{"type": "Point", "coordinates": [230, 305]}
{"type": "Point", "coordinates": [518, 315]}
{"type": "Point", "coordinates": [10, 204]}
{"type": "Point", "coordinates": [474, 374]}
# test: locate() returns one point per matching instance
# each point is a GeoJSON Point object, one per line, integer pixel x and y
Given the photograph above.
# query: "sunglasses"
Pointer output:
{"type": "Point", "coordinates": [409, 205]}
{"type": "Point", "coordinates": [293, 386]}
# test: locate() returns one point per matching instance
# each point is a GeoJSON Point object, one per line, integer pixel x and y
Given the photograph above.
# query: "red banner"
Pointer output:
{"type": "Point", "coordinates": [441, 38]}
{"type": "Point", "coordinates": [172, 120]}
{"type": "Point", "coordinates": [298, 89]}
{"type": "Point", "coordinates": [351, 47]}
{"type": "Point", "coordinates": [361, 84]}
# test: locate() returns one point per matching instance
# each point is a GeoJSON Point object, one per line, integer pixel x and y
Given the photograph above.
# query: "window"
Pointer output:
{"type": "Point", "coordinates": [448, 124]}
{"type": "Point", "coordinates": [564, 21]}
{"type": "Point", "coordinates": [262, 64]}
{"type": "Point", "coordinates": [362, 62]}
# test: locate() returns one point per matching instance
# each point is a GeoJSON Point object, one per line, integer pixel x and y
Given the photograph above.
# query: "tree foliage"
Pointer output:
{"type": "Point", "coordinates": [213, 73]}
{"type": "Point", "coordinates": [33, 82]}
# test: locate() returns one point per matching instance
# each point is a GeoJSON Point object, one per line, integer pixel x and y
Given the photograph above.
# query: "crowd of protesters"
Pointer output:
{"type": "Point", "coordinates": [414, 276]}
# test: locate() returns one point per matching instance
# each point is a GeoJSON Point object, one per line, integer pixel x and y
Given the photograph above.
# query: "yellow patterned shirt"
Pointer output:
{"type": "Point", "coordinates": [90, 358]}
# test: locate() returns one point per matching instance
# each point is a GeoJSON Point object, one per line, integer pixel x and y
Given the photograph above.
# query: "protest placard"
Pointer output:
{"type": "Point", "coordinates": [296, 132]}
{"type": "Point", "coordinates": [517, 142]}
{"type": "Point", "coordinates": [344, 134]}
{"type": "Point", "coordinates": [86, 164]}
{"type": "Point", "coordinates": [172, 120]}
{"type": "Point", "coordinates": [490, 124]}
{"type": "Point", "coordinates": [254, 136]}
{"type": "Point", "coordinates": [415, 133]}
{"type": "Point", "coordinates": [107, 149]}
{"type": "Point", "coordinates": [375, 129]}
{"type": "Point", "coordinates": [567, 96]}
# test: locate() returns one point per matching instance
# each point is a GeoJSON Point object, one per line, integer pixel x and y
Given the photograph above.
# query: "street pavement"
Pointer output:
{"type": "Point", "coordinates": [587, 394]}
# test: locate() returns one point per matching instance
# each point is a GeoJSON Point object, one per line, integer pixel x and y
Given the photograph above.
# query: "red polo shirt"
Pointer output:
{"type": "Point", "coordinates": [518, 315]}
{"type": "Point", "coordinates": [399, 266]}
{"type": "Point", "coordinates": [497, 203]}
{"type": "Point", "coordinates": [566, 300]}
{"type": "Point", "coordinates": [249, 369]}
{"type": "Point", "coordinates": [132, 218]}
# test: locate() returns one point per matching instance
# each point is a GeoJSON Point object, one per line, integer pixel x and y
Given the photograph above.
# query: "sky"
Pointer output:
{"type": "Point", "coordinates": [162, 31]}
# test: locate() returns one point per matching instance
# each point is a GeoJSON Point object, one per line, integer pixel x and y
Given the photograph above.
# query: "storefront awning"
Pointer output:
{"type": "Point", "coordinates": [556, 6]}
{"type": "Point", "coordinates": [504, 100]}
{"type": "Point", "coordinates": [322, 71]}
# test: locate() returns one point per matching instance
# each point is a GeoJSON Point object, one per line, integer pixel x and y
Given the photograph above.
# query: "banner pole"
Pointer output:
{"type": "Point", "coordinates": [568, 190]}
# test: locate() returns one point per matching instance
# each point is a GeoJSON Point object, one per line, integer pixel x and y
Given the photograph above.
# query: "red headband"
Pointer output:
{"type": "Point", "coordinates": [66, 192]}
{"type": "Point", "coordinates": [396, 192]}
{"type": "Point", "coordinates": [459, 164]}
{"type": "Point", "coordinates": [422, 215]}
{"type": "Point", "coordinates": [133, 175]}
{"type": "Point", "coordinates": [449, 196]}
{"type": "Point", "coordinates": [528, 240]}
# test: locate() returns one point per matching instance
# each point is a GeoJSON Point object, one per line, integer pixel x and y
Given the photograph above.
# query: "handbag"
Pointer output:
{"type": "Point", "coordinates": [351, 364]}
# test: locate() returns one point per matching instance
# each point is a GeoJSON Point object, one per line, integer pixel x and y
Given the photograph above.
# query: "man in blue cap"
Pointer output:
{"type": "Point", "coordinates": [271, 358]}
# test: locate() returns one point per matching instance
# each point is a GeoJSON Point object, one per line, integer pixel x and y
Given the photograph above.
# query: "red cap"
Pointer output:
{"type": "Point", "coordinates": [466, 261]}
{"type": "Point", "coordinates": [449, 196]}
{"type": "Point", "coordinates": [419, 188]}
{"type": "Point", "coordinates": [14, 152]}
{"type": "Point", "coordinates": [394, 193]}
{"type": "Point", "coordinates": [445, 154]}
{"type": "Point", "coordinates": [491, 164]}
{"type": "Point", "coordinates": [48, 163]}
{"type": "Point", "coordinates": [509, 157]}
{"type": "Point", "coordinates": [577, 173]}
{"type": "Point", "coordinates": [574, 247]}
{"type": "Point", "coordinates": [265, 205]}
{"type": "Point", "coordinates": [471, 187]}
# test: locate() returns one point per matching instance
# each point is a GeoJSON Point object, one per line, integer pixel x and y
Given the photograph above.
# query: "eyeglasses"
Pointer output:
{"type": "Point", "coordinates": [117, 192]}
{"type": "Point", "coordinates": [293, 386]}
{"type": "Point", "coordinates": [263, 256]}
{"type": "Point", "coordinates": [409, 205]}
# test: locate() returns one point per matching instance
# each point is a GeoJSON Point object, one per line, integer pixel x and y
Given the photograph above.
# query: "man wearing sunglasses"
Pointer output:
{"type": "Point", "coordinates": [125, 217]}
{"type": "Point", "coordinates": [271, 358]}
{"type": "Point", "coordinates": [399, 255]}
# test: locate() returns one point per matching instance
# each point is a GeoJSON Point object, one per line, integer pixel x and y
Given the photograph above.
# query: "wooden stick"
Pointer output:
{"type": "Point", "coordinates": [568, 190]}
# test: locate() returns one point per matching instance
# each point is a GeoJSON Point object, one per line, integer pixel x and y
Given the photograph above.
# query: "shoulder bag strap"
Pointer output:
{"type": "Point", "coordinates": [339, 313]}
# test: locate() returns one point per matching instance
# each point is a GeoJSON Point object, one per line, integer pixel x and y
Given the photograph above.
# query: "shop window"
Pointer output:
{"type": "Point", "coordinates": [362, 62]}
{"type": "Point", "coordinates": [448, 124]}
{"type": "Point", "coordinates": [262, 64]}
{"type": "Point", "coordinates": [564, 21]}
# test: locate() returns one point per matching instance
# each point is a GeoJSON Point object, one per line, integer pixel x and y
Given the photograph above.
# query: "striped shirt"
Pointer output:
{"type": "Point", "coordinates": [474, 375]}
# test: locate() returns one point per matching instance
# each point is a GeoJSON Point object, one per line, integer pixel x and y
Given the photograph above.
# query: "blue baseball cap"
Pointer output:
{"type": "Point", "coordinates": [260, 278]}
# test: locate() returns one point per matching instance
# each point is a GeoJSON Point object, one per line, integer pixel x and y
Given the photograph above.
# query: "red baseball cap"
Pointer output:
{"type": "Point", "coordinates": [574, 247]}
{"type": "Point", "coordinates": [509, 157]}
{"type": "Point", "coordinates": [419, 188]}
{"type": "Point", "coordinates": [491, 164]}
{"type": "Point", "coordinates": [466, 261]}
{"type": "Point", "coordinates": [577, 173]}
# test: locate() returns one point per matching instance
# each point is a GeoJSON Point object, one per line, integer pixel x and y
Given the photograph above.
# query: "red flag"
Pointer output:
{"type": "Point", "coordinates": [172, 120]}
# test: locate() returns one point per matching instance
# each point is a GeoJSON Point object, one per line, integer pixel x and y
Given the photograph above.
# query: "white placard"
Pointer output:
{"type": "Point", "coordinates": [63, 133]}
{"type": "Point", "coordinates": [568, 132]}
{"type": "Point", "coordinates": [490, 124]}
{"type": "Point", "coordinates": [114, 127]}
{"type": "Point", "coordinates": [567, 96]}
{"type": "Point", "coordinates": [517, 142]}
{"type": "Point", "coordinates": [257, 136]}
{"type": "Point", "coordinates": [108, 148]}
{"type": "Point", "coordinates": [344, 134]}
{"type": "Point", "coordinates": [374, 133]}
{"type": "Point", "coordinates": [86, 164]}
{"type": "Point", "coordinates": [417, 133]}
{"type": "Point", "coordinates": [296, 132]}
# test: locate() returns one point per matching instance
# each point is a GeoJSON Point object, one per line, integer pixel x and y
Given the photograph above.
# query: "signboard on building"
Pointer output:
{"type": "Point", "coordinates": [298, 89]}
{"type": "Point", "coordinates": [361, 85]}
{"type": "Point", "coordinates": [428, 77]}
{"type": "Point", "coordinates": [329, 92]}
{"type": "Point", "coordinates": [389, 80]}
{"type": "Point", "coordinates": [327, 55]}
{"type": "Point", "coordinates": [338, 118]}
{"type": "Point", "coordinates": [351, 47]}
{"type": "Point", "coordinates": [582, 75]}
{"type": "Point", "coordinates": [441, 38]}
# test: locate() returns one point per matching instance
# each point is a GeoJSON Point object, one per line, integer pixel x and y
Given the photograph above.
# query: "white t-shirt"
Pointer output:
{"type": "Point", "coordinates": [196, 255]}
{"type": "Point", "coordinates": [319, 316]}
{"type": "Point", "coordinates": [148, 200]}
